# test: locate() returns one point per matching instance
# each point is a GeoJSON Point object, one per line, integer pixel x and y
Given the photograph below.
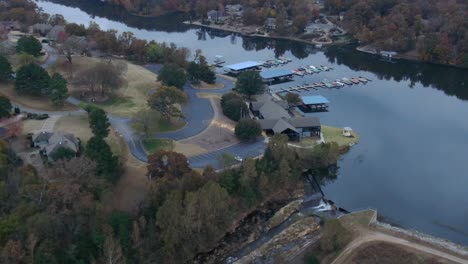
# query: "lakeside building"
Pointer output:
{"type": "Point", "coordinates": [313, 103]}
{"type": "Point", "coordinates": [234, 10]}
{"type": "Point", "coordinates": [295, 128]}
{"type": "Point", "coordinates": [215, 16]}
{"type": "Point", "coordinates": [276, 75]}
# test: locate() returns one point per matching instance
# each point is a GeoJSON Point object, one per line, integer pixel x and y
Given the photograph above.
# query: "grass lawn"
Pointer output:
{"type": "Point", "coordinates": [158, 125]}
{"type": "Point", "coordinates": [40, 103]}
{"type": "Point", "coordinates": [126, 101]}
{"type": "Point", "coordinates": [152, 145]}
{"type": "Point", "coordinates": [79, 126]}
{"type": "Point", "coordinates": [334, 134]}
{"type": "Point", "coordinates": [209, 95]}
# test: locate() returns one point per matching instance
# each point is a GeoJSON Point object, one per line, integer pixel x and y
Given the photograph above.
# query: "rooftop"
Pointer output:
{"type": "Point", "coordinates": [243, 65]}
{"type": "Point", "coordinates": [314, 99]}
{"type": "Point", "coordinates": [276, 73]}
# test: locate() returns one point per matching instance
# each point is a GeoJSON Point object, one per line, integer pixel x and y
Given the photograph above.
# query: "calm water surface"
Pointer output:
{"type": "Point", "coordinates": [412, 160]}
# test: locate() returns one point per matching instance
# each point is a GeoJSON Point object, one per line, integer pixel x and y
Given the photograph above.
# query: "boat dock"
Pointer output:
{"type": "Point", "coordinates": [325, 84]}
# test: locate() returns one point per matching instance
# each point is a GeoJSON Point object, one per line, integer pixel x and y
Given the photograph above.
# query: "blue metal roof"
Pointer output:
{"type": "Point", "coordinates": [276, 73]}
{"type": "Point", "coordinates": [314, 99]}
{"type": "Point", "coordinates": [243, 65]}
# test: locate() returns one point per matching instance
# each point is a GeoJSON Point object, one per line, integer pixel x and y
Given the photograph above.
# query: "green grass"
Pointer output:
{"type": "Point", "coordinates": [334, 134]}
{"type": "Point", "coordinates": [154, 144]}
{"type": "Point", "coordinates": [158, 126]}
{"type": "Point", "coordinates": [119, 101]}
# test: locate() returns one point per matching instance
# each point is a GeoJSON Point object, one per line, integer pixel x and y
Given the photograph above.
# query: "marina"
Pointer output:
{"type": "Point", "coordinates": [324, 84]}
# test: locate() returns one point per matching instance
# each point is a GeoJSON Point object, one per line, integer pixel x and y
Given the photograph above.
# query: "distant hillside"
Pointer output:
{"type": "Point", "coordinates": [436, 29]}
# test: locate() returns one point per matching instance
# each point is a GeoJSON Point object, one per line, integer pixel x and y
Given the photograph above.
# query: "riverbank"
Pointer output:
{"type": "Point", "coordinates": [408, 56]}
{"type": "Point", "coordinates": [249, 33]}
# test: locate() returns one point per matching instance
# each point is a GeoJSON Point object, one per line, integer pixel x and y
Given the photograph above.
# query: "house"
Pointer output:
{"type": "Point", "coordinates": [270, 23]}
{"type": "Point", "coordinates": [270, 109]}
{"type": "Point", "coordinates": [215, 16]}
{"type": "Point", "coordinates": [56, 33]}
{"type": "Point", "coordinates": [50, 142]}
{"type": "Point", "coordinates": [295, 128]}
{"type": "Point", "coordinates": [41, 29]}
{"type": "Point", "coordinates": [234, 10]}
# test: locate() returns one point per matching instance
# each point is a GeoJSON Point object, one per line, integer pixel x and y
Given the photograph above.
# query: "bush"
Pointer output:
{"type": "Point", "coordinates": [247, 129]}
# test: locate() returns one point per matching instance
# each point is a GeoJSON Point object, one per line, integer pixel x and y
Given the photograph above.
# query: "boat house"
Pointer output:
{"type": "Point", "coordinates": [243, 66]}
{"type": "Point", "coordinates": [295, 128]}
{"type": "Point", "coordinates": [276, 75]}
{"type": "Point", "coordinates": [313, 103]}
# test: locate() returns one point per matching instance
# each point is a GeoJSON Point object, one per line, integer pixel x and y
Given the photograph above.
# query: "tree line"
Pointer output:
{"type": "Point", "coordinates": [437, 30]}
{"type": "Point", "coordinates": [62, 214]}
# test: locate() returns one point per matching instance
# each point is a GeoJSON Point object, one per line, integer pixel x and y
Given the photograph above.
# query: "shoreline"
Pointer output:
{"type": "Point", "coordinates": [246, 34]}
{"type": "Point", "coordinates": [402, 56]}
{"type": "Point", "coordinates": [242, 32]}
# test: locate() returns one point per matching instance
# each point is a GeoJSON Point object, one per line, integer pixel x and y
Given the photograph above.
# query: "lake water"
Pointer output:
{"type": "Point", "coordinates": [412, 160]}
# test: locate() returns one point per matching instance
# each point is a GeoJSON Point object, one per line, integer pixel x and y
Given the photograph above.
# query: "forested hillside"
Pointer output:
{"type": "Point", "coordinates": [436, 29]}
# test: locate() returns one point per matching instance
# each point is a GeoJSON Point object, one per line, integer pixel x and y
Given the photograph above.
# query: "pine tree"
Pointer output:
{"type": "Point", "coordinates": [58, 91]}
{"type": "Point", "coordinates": [99, 123]}
{"type": "Point", "coordinates": [5, 69]}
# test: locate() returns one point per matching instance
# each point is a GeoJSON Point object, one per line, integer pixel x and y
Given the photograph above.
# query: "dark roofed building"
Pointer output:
{"type": "Point", "coordinates": [50, 142]}
{"type": "Point", "coordinates": [270, 109]}
{"type": "Point", "coordinates": [295, 128]}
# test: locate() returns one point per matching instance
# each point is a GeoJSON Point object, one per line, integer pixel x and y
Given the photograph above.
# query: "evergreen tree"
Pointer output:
{"type": "Point", "coordinates": [107, 164]}
{"type": "Point", "coordinates": [99, 123]}
{"type": "Point", "coordinates": [5, 69]}
{"type": "Point", "coordinates": [247, 129]}
{"type": "Point", "coordinates": [29, 45]}
{"type": "Point", "coordinates": [172, 75]}
{"type": "Point", "coordinates": [249, 83]}
{"type": "Point", "coordinates": [32, 79]}
{"type": "Point", "coordinates": [58, 91]}
{"type": "Point", "coordinates": [5, 107]}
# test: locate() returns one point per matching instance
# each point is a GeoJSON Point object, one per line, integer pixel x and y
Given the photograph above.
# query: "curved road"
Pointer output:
{"type": "Point", "coordinates": [198, 114]}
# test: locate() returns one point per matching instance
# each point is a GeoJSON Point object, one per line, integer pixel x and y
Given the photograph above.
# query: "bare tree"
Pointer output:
{"type": "Point", "coordinates": [111, 251]}
{"type": "Point", "coordinates": [77, 169]}
{"type": "Point", "coordinates": [103, 77]}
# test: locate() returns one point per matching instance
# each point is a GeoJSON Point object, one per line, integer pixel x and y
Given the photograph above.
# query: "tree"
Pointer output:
{"type": "Point", "coordinates": [199, 70]}
{"type": "Point", "coordinates": [5, 69]}
{"type": "Point", "coordinates": [74, 29]}
{"type": "Point", "coordinates": [32, 80]}
{"type": "Point", "coordinates": [58, 91]}
{"type": "Point", "coordinates": [102, 77]}
{"type": "Point", "coordinates": [99, 123]}
{"type": "Point", "coordinates": [5, 107]}
{"type": "Point", "coordinates": [167, 164]}
{"type": "Point", "coordinates": [249, 83]}
{"type": "Point", "coordinates": [154, 52]}
{"type": "Point", "coordinates": [247, 129]}
{"type": "Point", "coordinates": [107, 164]}
{"type": "Point", "coordinates": [172, 75]}
{"type": "Point", "coordinates": [235, 109]}
{"type": "Point", "coordinates": [29, 45]}
{"type": "Point", "coordinates": [166, 100]}
{"type": "Point", "coordinates": [293, 99]}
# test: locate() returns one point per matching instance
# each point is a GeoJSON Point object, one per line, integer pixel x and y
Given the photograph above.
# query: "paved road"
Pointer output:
{"type": "Point", "coordinates": [198, 112]}
{"type": "Point", "coordinates": [244, 150]}
{"type": "Point", "coordinates": [121, 125]}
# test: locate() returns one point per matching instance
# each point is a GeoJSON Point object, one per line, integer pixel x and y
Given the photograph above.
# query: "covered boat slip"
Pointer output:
{"type": "Point", "coordinates": [242, 66]}
{"type": "Point", "coordinates": [313, 103]}
{"type": "Point", "coordinates": [276, 75]}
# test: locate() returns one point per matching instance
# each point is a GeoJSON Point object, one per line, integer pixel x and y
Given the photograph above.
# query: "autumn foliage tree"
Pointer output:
{"type": "Point", "coordinates": [167, 101]}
